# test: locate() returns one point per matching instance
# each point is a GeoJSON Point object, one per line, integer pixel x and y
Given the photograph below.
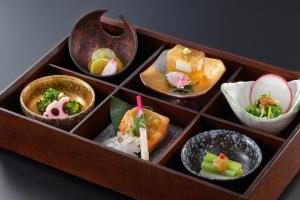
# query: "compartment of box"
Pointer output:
{"type": "Point", "coordinates": [98, 125]}
{"type": "Point", "coordinates": [221, 108]}
{"type": "Point", "coordinates": [146, 47]}
{"type": "Point", "coordinates": [269, 147]}
{"type": "Point", "coordinates": [12, 100]}
{"type": "Point", "coordinates": [196, 103]}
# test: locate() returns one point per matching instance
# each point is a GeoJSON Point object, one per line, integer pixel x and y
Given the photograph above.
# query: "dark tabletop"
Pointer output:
{"type": "Point", "coordinates": [266, 31]}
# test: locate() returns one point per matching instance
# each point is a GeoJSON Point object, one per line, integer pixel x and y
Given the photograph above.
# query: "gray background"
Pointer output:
{"type": "Point", "coordinates": [264, 30]}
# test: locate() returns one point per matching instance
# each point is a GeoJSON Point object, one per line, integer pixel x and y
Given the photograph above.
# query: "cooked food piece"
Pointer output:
{"type": "Point", "coordinates": [104, 62]}
{"type": "Point", "coordinates": [221, 165]}
{"type": "Point", "coordinates": [139, 129]}
{"type": "Point", "coordinates": [156, 125]}
{"type": "Point", "coordinates": [54, 104]}
{"type": "Point", "coordinates": [187, 61]}
{"type": "Point", "coordinates": [265, 107]}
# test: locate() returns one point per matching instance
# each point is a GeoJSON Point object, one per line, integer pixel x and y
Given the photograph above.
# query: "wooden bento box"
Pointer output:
{"type": "Point", "coordinates": [76, 152]}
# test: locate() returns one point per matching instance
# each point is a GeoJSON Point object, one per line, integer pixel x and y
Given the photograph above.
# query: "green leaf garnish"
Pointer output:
{"type": "Point", "coordinates": [118, 108]}
{"type": "Point", "coordinates": [187, 89]}
{"type": "Point", "coordinates": [138, 122]}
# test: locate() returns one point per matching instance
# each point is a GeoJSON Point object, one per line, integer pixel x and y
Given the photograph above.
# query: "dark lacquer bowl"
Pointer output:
{"type": "Point", "coordinates": [89, 35]}
{"type": "Point", "coordinates": [234, 145]}
{"type": "Point", "coordinates": [74, 88]}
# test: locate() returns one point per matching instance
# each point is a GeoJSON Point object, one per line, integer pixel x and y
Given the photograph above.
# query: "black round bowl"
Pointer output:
{"type": "Point", "coordinates": [234, 145]}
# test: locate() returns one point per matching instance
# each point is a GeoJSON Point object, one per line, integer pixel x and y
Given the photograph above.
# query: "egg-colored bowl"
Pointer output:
{"type": "Point", "coordinates": [237, 95]}
{"type": "Point", "coordinates": [74, 88]}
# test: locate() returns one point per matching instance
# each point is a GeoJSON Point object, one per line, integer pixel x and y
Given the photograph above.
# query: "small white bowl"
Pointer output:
{"type": "Point", "coordinates": [237, 95]}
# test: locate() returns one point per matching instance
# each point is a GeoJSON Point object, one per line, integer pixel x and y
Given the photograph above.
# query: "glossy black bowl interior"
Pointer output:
{"type": "Point", "coordinates": [234, 145]}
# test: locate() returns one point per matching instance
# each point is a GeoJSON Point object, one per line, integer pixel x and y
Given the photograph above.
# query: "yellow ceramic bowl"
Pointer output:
{"type": "Point", "coordinates": [74, 88]}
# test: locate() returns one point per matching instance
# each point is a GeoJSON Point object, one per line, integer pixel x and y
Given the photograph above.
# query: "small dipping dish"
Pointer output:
{"type": "Point", "coordinates": [234, 145]}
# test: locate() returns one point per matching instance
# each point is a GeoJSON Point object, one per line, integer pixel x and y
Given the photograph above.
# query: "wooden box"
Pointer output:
{"type": "Point", "coordinates": [77, 152]}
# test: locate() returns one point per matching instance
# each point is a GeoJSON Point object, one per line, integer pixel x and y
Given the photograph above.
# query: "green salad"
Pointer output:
{"type": "Point", "coordinates": [265, 107]}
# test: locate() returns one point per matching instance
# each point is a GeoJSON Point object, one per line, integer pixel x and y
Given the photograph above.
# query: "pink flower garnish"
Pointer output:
{"type": "Point", "coordinates": [178, 79]}
{"type": "Point", "coordinates": [55, 110]}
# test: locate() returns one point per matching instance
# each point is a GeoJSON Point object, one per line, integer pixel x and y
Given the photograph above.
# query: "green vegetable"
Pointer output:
{"type": "Point", "coordinates": [208, 166]}
{"type": "Point", "coordinates": [48, 97]}
{"type": "Point", "coordinates": [232, 165]}
{"type": "Point", "coordinates": [233, 168]}
{"type": "Point", "coordinates": [72, 107]}
{"type": "Point", "coordinates": [187, 89]}
{"type": "Point", "coordinates": [254, 109]}
{"type": "Point", "coordinates": [118, 108]}
{"type": "Point", "coordinates": [269, 111]}
{"type": "Point", "coordinates": [138, 122]}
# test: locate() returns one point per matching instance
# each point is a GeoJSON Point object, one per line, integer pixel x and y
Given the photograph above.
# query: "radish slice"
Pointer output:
{"type": "Point", "coordinates": [274, 85]}
{"type": "Point", "coordinates": [110, 68]}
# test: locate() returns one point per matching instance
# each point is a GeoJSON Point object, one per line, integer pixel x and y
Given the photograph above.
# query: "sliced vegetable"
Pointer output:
{"type": "Point", "coordinates": [125, 143]}
{"type": "Point", "coordinates": [98, 66]}
{"type": "Point", "coordinates": [274, 85]}
{"type": "Point", "coordinates": [104, 62]}
{"type": "Point", "coordinates": [232, 169]}
{"type": "Point", "coordinates": [55, 109]}
{"type": "Point", "coordinates": [210, 168]}
{"type": "Point", "coordinates": [110, 68]}
{"type": "Point", "coordinates": [103, 53]}
{"type": "Point", "coordinates": [142, 129]}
